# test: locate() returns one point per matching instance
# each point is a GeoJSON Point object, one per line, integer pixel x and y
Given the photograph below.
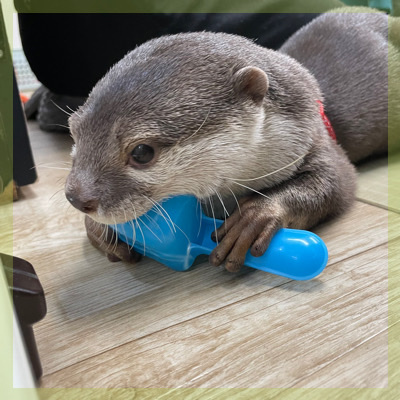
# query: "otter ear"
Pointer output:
{"type": "Point", "coordinates": [251, 82]}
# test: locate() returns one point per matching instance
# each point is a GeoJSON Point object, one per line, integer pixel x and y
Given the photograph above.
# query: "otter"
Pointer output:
{"type": "Point", "coordinates": [230, 122]}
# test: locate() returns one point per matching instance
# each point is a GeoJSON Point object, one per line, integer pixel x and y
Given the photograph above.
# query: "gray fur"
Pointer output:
{"type": "Point", "coordinates": [163, 92]}
{"type": "Point", "coordinates": [198, 100]}
{"type": "Point", "coordinates": [348, 54]}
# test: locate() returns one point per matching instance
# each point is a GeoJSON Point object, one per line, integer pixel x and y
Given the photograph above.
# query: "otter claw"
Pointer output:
{"type": "Point", "coordinates": [252, 229]}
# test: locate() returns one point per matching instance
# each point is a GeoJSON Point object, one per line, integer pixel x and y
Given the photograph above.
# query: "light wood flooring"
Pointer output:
{"type": "Point", "coordinates": [116, 325]}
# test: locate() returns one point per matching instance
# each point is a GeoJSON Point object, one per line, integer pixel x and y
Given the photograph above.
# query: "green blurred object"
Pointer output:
{"type": "Point", "coordinates": [394, 87]}
{"type": "Point", "coordinates": [384, 5]}
{"type": "Point", "coordinates": [6, 110]}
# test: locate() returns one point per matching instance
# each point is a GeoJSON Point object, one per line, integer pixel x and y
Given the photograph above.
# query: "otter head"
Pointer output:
{"type": "Point", "coordinates": [178, 115]}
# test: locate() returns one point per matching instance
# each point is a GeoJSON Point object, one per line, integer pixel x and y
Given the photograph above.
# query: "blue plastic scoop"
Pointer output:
{"type": "Point", "coordinates": [176, 232]}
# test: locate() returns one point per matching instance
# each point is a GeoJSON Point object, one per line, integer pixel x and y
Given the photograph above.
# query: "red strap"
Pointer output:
{"type": "Point", "coordinates": [327, 123]}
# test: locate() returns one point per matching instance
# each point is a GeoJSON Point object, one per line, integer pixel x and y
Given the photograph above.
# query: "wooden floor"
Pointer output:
{"type": "Point", "coordinates": [117, 325]}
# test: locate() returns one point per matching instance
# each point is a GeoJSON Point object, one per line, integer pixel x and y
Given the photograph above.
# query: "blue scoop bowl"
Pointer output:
{"type": "Point", "coordinates": [176, 232]}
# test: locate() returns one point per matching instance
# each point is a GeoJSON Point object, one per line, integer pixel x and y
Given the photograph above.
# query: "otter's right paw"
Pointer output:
{"type": "Point", "coordinates": [104, 238]}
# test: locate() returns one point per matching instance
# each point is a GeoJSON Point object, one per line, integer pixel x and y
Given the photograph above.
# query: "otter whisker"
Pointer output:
{"type": "Point", "coordinates": [171, 228]}
{"type": "Point", "coordinates": [186, 236]}
{"type": "Point", "coordinates": [215, 222]}
{"type": "Point", "coordinates": [270, 173]}
{"type": "Point", "coordinates": [69, 108]}
{"type": "Point", "coordinates": [61, 181]}
{"type": "Point", "coordinates": [154, 222]}
{"type": "Point", "coordinates": [126, 237]}
{"type": "Point", "coordinates": [54, 163]}
{"type": "Point", "coordinates": [202, 124]}
{"type": "Point", "coordinates": [159, 206]}
{"type": "Point", "coordinates": [116, 235]}
{"type": "Point", "coordinates": [60, 108]}
{"type": "Point", "coordinates": [141, 220]}
{"type": "Point", "coordinates": [200, 211]}
{"type": "Point", "coordinates": [159, 212]}
{"type": "Point", "coordinates": [58, 202]}
{"type": "Point", "coordinates": [253, 190]}
{"type": "Point", "coordinates": [58, 191]}
{"type": "Point", "coordinates": [131, 223]}
{"type": "Point", "coordinates": [141, 231]}
{"type": "Point", "coordinates": [42, 166]}
{"type": "Point", "coordinates": [69, 208]}
{"type": "Point", "coordinates": [116, 238]}
{"type": "Point", "coordinates": [223, 205]}
{"type": "Point", "coordinates": [63, 126]}
{"type": "Point", "coordinates": [111, 241]}
{"type": "Point", "coordinates": [103, 235]}
{"type": "Point", "coordinates": [206, 205]}
{"type": "Point", "coordinates": [123, 228]}
{"type": "Point", "coordinates": [237, 202]}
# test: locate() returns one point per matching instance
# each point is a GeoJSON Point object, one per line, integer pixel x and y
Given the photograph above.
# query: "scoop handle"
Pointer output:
{"type": "Point", "coordinates": [292, 253]}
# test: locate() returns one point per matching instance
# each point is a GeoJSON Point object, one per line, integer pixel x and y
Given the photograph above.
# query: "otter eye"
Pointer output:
{"type": "Point", "coordinates": [142, 154]}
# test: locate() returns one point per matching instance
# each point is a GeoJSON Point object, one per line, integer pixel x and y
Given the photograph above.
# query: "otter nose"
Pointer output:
{"type": "Point", "coordinates": [86, 205]}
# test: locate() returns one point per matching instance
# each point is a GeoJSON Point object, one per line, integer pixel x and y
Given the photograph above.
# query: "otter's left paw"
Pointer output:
{"type": "Point", "coordinates": [250, 227]}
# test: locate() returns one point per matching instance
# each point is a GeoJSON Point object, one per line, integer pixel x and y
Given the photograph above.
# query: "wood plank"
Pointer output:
{"type": "Point", "coordinates": [159, 394]}
{"type": "Point", "coordinates": [49, 147]}
{"type": "Point", "coordinates": [373, 182]}
{"type": "Point", "coordinates": [96, 308]}
{"type": "Point", "coordinates": [271, 339]}
{"type": "Point", "coordinates": [355, 368]}
{"type": "Point", "coordinates": [86, 293]}
{"type": "Point", "coordinates": [394, 183]}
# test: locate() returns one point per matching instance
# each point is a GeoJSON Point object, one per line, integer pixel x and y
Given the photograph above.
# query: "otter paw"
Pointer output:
{"type": "Point", "coordinates": [104, 239]}
{"type": "Point", "coordinates": [252, 227]}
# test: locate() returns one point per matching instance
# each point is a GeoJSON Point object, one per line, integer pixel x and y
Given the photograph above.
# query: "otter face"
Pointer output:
{"type": "Point", "coordinates": [168, 119]}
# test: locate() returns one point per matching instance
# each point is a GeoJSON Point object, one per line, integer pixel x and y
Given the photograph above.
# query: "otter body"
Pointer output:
{"type": "Point", "coordinates": [348, 55]}
{"type": "Point", "coordinates": [216, 116]}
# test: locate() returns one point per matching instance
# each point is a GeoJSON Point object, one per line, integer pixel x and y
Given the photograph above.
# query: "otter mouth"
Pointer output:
{"type": "Point", "coordinates": [120, 215]}
{"type": "Point", "coordinates": [112, 218]}
{"type": "Point", "coordinates": [107, 220]}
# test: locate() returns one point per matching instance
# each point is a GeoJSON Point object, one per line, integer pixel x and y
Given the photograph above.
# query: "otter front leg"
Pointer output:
{"type": "Point", "coordinates": [104, 238]}
{"type": "Point", "coordinates": [251, 226]}
{"type": "Point", "coordinates": [323, 187]}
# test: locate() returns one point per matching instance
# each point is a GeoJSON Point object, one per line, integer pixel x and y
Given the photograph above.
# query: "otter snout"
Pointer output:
{"type": "Point", "coordinates": [82, 204]}
{"type": "Point", "coordinates": [79, 197]}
